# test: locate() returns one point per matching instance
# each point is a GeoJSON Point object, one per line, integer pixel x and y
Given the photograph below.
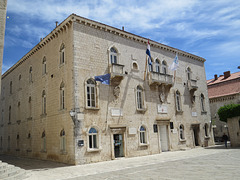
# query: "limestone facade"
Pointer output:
{"type": "Point", "coordinates": [52, 107]}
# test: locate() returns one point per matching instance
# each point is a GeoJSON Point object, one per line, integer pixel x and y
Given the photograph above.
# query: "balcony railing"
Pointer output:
{"type": "Point", "coordinates": [160, 78]}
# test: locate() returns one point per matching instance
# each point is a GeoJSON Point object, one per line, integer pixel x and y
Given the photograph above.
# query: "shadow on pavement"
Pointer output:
{"type": "Point", "coordinates": [221, 146]}
{"type": "Point", "coordinates": [31, 164]}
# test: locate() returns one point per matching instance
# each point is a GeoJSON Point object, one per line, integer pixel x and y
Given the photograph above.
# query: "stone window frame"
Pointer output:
{"type": "Point", "coordinates": [62, 59]}
{"type": "Point", "coordinates": [182, 136]}
{"type": "Point", "coordinates": [44, 142]}
{"type": "Point", "coordinates": [202, 103]}
{"type": "Point", "coordinates": [44, 103]}
{"type": "Point", "coordinates": [164, 67]}
{"type": "Point", "coordinates": [63, 143]}
{"type": "Point", "coordinates": [206, 130]}
{"type": "Point", "coordinates": [140, 98]}
{"type": "Point", "coordinates": [62, 96]}
{"type": "Point", "coordinates": [157, 65]}
{"type": "Point", "coordinates": [92, 132]}
{"type": "Point", "coordinates": [91, 85]}
{"type": "Point", "coordinates": [178, 101]}
{"type": "Point", "coordinates": [44, 66]}
{"type": "Point", "coordinates": [189, 73]}
{"type": "Point", "coordinates": [143, 135]}
{"type": "Point", "coordinates": [135, 66]}
{"type": "Point", "coordinates": [29, 142]}
{"type": "Point", "coordinates": [9, 143]}
{"type": "Point", "coordinates": [114, 52]}
{"type": "Point", "coordinates": [11, 87]}
{"type": "Point", "coordinates": [9, 114]}
{"type": "Point", "coordinates": [30, 74]}
{"type": "Point", "coordinates": [18, 142]}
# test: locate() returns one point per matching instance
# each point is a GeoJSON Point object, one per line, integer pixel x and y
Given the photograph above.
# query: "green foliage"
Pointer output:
{"type": "Point", "coordinates": [228, 111]}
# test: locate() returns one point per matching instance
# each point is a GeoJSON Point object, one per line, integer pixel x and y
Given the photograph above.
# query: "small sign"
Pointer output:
{"type": "Point", "coordinates": [116, 112]}
{"type": "Point", "coordinates": [80, 143]}
{"type": "Point", "coordinates": [162, 109]}
{"type": "Point", "coordinates": [174, 131]}
{"type": "Point", "coordinates": [194, 114]}
{"type": "Point", "coordinates": [132, 131]}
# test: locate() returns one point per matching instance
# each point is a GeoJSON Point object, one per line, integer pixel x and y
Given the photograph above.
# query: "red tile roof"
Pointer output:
{"type": "Point", "coordinates": [224, 86]}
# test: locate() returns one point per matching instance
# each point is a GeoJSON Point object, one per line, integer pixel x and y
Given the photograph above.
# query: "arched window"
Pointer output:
{"type": "Point", "coordinates": [202, 103]}
{"type": "Point", "coordinates": [178, 101]}
{"type": "Point", "coordinates": [140, 98]}
{"type": "Point", "coordinates": [91, 95]}
{"type": "Point", "coordinates": [62, 96]}
{"type": "Point", "coordinates": [62, 54]}
{"type": "Point", "coordinates": [189, 72]}
{"type": "Point", "coordinates": [93, 138]}
{"type": "Point", "coordinates": [113, 55]}
{"type": "Point", "coordinates": [181, 132]}
{"type": "Point", "coordinates": [19, 111]}
{"type": "Point", "coordinates": [44, 65]}
{"type": "Point", "coordinates": [164, 67]}
{"type": "Point", "coordinates": [44, 148]}
{"type": "Point", "coordinates": [143, 135]}
{"type": "Point", "coordinates": [44, 102]}
{"type": "Point", "coordinates": [157, 64]}
{"type": "Point", "coordinates": [206, 130]}
{"type": "Point", "coordinates": [11, 87]}
{"type": "Point", "coordinates": [19, 77]}
{"type": "Point", "coordinates": [30, 74]}
{"type": "Point", "coordinates": [63, 141]}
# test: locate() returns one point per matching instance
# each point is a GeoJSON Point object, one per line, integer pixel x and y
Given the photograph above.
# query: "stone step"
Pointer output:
{"type": "Point", "coordinates": [11, 172]}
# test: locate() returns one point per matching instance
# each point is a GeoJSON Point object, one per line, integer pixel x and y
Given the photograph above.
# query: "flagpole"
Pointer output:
{"type": "Point", "coordinates": [145, 69]}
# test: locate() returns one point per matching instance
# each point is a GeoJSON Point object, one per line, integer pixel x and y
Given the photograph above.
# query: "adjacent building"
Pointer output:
{"type": "Point", "coordinates": [222, 90]}
{"type": "Point", "coordinates": [53, 108]}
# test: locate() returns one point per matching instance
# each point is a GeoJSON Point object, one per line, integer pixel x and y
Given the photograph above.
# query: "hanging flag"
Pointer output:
{"type": "Point", "coordinates": [175, 64]}
{"type": "Point", "coordinates": [104, 79]}
{"type": "Point", "coordinates": [149, 54]}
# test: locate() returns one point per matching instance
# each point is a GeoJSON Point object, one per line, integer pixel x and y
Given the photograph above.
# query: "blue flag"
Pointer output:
{"type": "Point", "coordinates": [104, 79]}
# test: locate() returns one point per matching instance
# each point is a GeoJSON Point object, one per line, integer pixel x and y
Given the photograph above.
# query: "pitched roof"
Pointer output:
{"type": "Point", "coordinates": [224, 86]}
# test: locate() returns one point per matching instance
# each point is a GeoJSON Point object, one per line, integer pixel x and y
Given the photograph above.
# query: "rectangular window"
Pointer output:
{"type": "Point", "coordinates": [155, 128]}
{"type": "Point", "coordinates": [142, 138]}
{"type": "Point", "coordinates": [171, 125]}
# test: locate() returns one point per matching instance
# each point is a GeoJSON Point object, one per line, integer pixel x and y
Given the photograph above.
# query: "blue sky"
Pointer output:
{"type": "Point", "coordinates": [210, 29]}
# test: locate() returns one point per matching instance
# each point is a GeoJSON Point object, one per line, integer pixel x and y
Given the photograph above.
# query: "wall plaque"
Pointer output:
{"type": "Point", "coordinates": [116, 112]}
{"type": "Point", "coordinates": [132, 131]}
{"type": "Point", "coordinates": [162, 109]}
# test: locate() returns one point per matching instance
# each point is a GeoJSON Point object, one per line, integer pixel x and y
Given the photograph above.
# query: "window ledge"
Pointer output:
{"type": "Point", "coordinates": [143, 144]}
{"type": "Point", "coordinates": [92, 108]}
{"type": "Point", "coordinates": [182, 140]}
{"type": "Point", "coordinates": [61, 65]}
{"type": "Point", "coordinates": [179, 112]}
{"type": "Point", "coordinates": [93, 150]}
{"type": "Point", "coordinates": [142, 110]}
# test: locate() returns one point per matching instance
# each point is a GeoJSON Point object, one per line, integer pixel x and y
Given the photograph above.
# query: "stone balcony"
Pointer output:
{"type": "Point", "coordinates": [192, 85]}
{"type": "Point", "coordinates": [160, 78]}
{"type": "Point", "coordinates": [116, 71]}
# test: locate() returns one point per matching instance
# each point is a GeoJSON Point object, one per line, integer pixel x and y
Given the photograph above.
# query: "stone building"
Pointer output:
{"type": "Point", "coordinates": [3, 9]}
{"type": "Point", "coordinates": [222, 90]}
{"type": "Point", "coordinates": [52, 107]}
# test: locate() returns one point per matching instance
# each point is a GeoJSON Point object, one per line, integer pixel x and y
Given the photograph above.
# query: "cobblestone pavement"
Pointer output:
{"type": "Point", "coordinates": [199, 163]}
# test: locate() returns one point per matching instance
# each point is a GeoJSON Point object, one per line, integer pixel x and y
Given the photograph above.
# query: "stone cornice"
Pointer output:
{"type": "Point", "coordinates": [97, 25]}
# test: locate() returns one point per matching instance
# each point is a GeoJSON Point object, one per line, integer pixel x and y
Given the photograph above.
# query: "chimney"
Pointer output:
{"type": "Point", "coordinates": [123, 28]}
{"type": "Point", "coordinates": [226, 74]}
{"type": "Point", "coordinates": [56, 23]}
{"type": "Point", "coordinates": [215, 77]}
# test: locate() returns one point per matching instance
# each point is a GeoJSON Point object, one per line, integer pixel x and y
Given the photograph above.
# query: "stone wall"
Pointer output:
{"type": "Point", "coordinates": [234, 131]}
